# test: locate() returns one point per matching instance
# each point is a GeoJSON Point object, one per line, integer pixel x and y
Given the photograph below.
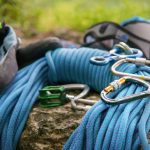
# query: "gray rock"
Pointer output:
{"type": "Point", "coordinates": [49, 129]}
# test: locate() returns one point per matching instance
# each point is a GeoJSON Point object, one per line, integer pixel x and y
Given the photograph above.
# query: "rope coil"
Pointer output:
{"type": "Point", "coordinates": [103, 127]}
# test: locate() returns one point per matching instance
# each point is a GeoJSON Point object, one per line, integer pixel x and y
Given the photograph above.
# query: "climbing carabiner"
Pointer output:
{"type": "Point", "coordinates": [87, 104]}
{"type": "Point", "coordinates": [138, 61]}
{"type": "Point", "coordinates": [117, 84]}
{"type": "Point", "coordinates": [123, 50]}
{"type": "Point", "coordinates": [120, 51]}
{"type": "Point", "coordinates": [52, 96]}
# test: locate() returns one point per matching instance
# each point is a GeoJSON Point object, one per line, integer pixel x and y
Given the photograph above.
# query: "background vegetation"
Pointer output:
{"type": "Point", "coordinates": [44, 15]}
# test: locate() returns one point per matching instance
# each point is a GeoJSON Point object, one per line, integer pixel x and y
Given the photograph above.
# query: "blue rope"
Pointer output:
{"type": "Point", "coordinates": [103, 127]}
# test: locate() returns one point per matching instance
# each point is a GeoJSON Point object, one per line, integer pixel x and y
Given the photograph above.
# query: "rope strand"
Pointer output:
{"type": "Point", "coordinates": [103, 127]}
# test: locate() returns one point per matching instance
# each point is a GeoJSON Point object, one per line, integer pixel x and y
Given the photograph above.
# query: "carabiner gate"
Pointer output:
{"type": "Point", "coordinates": [117, 84]}
{"type": "Point", "coordinates": [139, 61]}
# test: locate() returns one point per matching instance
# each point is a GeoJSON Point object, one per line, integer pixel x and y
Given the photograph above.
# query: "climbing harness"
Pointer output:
{"type": "Point", "coordinates": [52, 96]}
{"type": "Point", "coordinates": [138, 61]}
{"type": "Point", "coordinates": [117, 84]}
{"type": "Point", "coordinates": [115, 54]}
{"type": "Point", "coordinates": [135, 32]}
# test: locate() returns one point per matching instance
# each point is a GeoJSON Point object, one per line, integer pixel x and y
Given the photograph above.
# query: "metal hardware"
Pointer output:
{"type": "Point", "coordinates": [138, 61]}
{"type": "Point", "coordinates": [123, 47]}
{"type": "Point", "coordinates": [52, 96]}
{"type": "Point", "coordinates": [116, 55]}
{"type": "Point", "coordinates": [87, 104]}
{"type": "Point", "coordinates": [117, 84]}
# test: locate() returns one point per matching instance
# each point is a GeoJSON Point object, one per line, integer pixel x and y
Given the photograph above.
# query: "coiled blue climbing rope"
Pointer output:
{"type": "Point", "coordinates": [103, 127]}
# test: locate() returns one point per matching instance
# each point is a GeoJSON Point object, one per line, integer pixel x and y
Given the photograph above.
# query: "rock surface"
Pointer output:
{"type": "Point", "coordinates": [49, 129]}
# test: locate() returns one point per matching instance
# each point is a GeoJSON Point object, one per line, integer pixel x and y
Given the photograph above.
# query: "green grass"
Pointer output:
{"type": "Point", "coordinates": [44, 15]}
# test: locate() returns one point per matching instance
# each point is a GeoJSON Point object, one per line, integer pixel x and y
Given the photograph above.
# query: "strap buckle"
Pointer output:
{"type": "Point", "coordinates": [117, 84]}
{"type": "Point", "coordinates": [139, 61]}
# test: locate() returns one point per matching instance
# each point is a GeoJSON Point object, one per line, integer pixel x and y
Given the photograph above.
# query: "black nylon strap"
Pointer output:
{"type": "Point", "coordinates": [114, 32]}
{"type": "Point", "coordinates": [113, 29]}
{"type": "Point", "coordinates": [3, 32]}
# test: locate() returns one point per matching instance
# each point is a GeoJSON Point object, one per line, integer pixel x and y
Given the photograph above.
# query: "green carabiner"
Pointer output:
{"type": "Point", "coordinates": [52, 96]}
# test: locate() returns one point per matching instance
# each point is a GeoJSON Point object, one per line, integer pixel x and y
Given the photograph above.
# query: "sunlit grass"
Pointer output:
{"type": "Point", "coordinates": [44, 15]}
{"type": "Point", "coordinates": [80, 14]}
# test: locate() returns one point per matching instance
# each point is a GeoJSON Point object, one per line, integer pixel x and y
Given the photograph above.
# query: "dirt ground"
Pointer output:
{"type": "Point", "coordinates": [64, 34]}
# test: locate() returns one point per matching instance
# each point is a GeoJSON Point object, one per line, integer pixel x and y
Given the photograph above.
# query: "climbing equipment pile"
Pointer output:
{"type": "Point", "coordinates": [121, 126]}
{"type": "Point", "coordinates": [108, 127]}
{"type": "Point", "coordinates": [104, 126]}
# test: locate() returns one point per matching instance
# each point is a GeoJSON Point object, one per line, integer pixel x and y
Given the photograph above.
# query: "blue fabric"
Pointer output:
{"type": "Point", "coordinates": [133, 19]}
{"type": "Point", "coordinates": [103, 126]}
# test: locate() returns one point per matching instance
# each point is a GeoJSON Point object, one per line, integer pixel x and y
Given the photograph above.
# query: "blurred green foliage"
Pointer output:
{"type": "Point", "coordinates": [44, 15]}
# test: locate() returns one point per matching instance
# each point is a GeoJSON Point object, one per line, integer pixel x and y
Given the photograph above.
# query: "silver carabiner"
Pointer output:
{"type": "Point", "coordinates": [87, 104]}
{"type": "Point", "coordinates": [139, 61]}
{"type": "Point", "coordinates": [83, 87]}
{"type": "Point", "coordinates": [117, 84]}
{"type": "Point", "coordinates": [122, 46]}
{"type": "Point", "coordinates": [79, 98]}
{"type": "Point", "coordinates": [115, 55]}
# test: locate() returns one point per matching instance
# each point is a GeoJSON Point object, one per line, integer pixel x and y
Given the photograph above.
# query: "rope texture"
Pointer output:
{"type": "Point", "coordinates": [103, 127]}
